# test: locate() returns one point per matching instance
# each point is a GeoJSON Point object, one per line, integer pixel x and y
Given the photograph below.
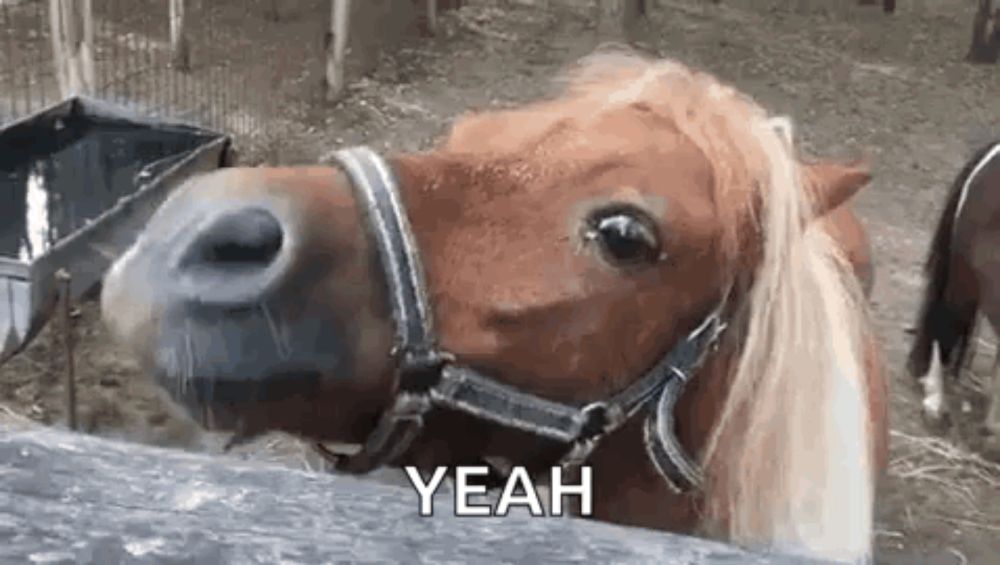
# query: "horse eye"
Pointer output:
{"type": "Point", "coordinates": [626, 237]}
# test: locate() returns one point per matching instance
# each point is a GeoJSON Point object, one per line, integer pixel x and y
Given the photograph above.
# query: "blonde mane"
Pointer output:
{"type": "Point", "coordinates": [789, 462]}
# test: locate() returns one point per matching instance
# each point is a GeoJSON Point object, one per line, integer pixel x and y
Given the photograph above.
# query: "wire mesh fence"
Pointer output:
{"type": "Point", "coordinates": [255, 65]}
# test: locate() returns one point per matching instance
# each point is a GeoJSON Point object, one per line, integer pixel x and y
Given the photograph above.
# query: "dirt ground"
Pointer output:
{"type": "Point", "coordinates": [853, 78]}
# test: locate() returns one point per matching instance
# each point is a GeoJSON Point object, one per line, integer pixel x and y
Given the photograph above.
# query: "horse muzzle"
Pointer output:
{"type": "Point", "coordinates": [211, 299]}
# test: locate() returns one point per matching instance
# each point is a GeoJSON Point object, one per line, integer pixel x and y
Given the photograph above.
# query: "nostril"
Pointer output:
{"type": "Point", "coordinates": [246, 239]}
{"type": "Point", "coordinates": [259, 248]}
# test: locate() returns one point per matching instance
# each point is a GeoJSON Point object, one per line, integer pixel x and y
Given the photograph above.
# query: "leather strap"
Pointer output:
{"type": "Point", "coordinates": [428, 378]}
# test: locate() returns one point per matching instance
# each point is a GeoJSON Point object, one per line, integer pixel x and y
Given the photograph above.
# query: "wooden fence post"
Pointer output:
{"type": "Point", "coordinates": [985, 46]}
{"type": "Point", "coordinates": [72, 45]}
{"type": "Point", "coordinates": [617, 19]}
{"type": "Point", "coordinates": [432, 17]}
{"type": "Point", "coordinates": [336, 48]}
{"type": "Point", "coordinates": [64, 280]}
{"type": "Point", "coordinates": [180, 43]}
{"type": "Point", "coordinates": [888, 6]}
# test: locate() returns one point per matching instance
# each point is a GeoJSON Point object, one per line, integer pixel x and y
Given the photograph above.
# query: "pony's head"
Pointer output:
{"type": "Point", "coordinates": [566, 247]}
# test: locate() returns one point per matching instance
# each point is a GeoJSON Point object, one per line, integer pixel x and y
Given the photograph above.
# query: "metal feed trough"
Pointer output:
{"type": "Point", "coordinates": [78, 181]}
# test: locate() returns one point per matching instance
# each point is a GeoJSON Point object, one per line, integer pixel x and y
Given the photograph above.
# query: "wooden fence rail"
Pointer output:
{"type": "Point", "coordinates": [73, 498]}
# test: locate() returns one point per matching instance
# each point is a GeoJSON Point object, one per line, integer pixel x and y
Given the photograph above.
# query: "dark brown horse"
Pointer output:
{"type": "Point", "coordinates": [963, 269]}
{"type": "Point", "coordinates": [638, 275]}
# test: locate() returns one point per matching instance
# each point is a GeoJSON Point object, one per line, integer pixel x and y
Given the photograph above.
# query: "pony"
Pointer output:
{"type": "Point", "coordinates": [638, 274]}
{"type": "Point", "coordinates": [963, 278]}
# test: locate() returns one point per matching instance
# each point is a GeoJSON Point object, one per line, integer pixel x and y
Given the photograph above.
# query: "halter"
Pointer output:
{"type": "Point", "coordinates": [427, 377]}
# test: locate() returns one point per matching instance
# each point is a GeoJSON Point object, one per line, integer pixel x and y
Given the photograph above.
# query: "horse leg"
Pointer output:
{"type": "Point", "coordinates": [971, 345]}
{"type": "Point", "coordinates": [989, 273]}
{"type": "Point", "coordinates": [935, 401]}
{"type": "Point", "coordinates": [993, 398]}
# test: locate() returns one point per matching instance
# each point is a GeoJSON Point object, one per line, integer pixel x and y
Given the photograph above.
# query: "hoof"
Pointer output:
{"type": "Point", "coordinates": [992, 429]}
{"type": "Point", "coordinates": [991, 448]}
{"type": "Point", "coordinates": [936, 421]}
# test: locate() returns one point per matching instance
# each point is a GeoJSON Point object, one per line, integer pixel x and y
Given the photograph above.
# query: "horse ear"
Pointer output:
{"type": "Point", "coordinates": [832, 184]}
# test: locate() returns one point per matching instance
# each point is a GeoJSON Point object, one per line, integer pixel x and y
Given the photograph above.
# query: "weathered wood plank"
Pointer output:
{"type": "Point", "coordinates": [68, 498]}
{"type": "Point", "coordinates": [985, 47]}
{"type": "Point", "coordinates": [72, 30]}
{"type": "Point", "coordinates": [359, 33]}
{"type": "Point", "coordinates": [336, 46]}
{"type": "Point", "coordinates": [617, 19]}
{"type": "Point", "coordinates": [180, 42]}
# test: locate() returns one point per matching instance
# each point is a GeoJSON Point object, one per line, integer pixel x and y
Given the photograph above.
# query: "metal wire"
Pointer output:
{"type": "Point", "coordinates": [241, 78]}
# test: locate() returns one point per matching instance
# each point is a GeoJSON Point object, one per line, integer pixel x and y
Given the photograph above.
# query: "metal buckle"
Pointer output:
{"type": "Point", "coordinates": [420, 370]}
{"type": "Point", "coordinates": [410, 407]}
{"type": "Point", "coordinates": [600, 418]}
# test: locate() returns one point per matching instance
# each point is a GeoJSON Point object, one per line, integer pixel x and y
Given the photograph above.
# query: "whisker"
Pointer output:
{"type": "Point", "coordinates": [283, 348]}
{"type": "Point", "coordinates": [188, 374]}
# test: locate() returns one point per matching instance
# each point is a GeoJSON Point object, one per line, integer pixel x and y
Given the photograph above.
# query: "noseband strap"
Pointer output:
{"type": "Point", "coordinates": [427, 377]}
